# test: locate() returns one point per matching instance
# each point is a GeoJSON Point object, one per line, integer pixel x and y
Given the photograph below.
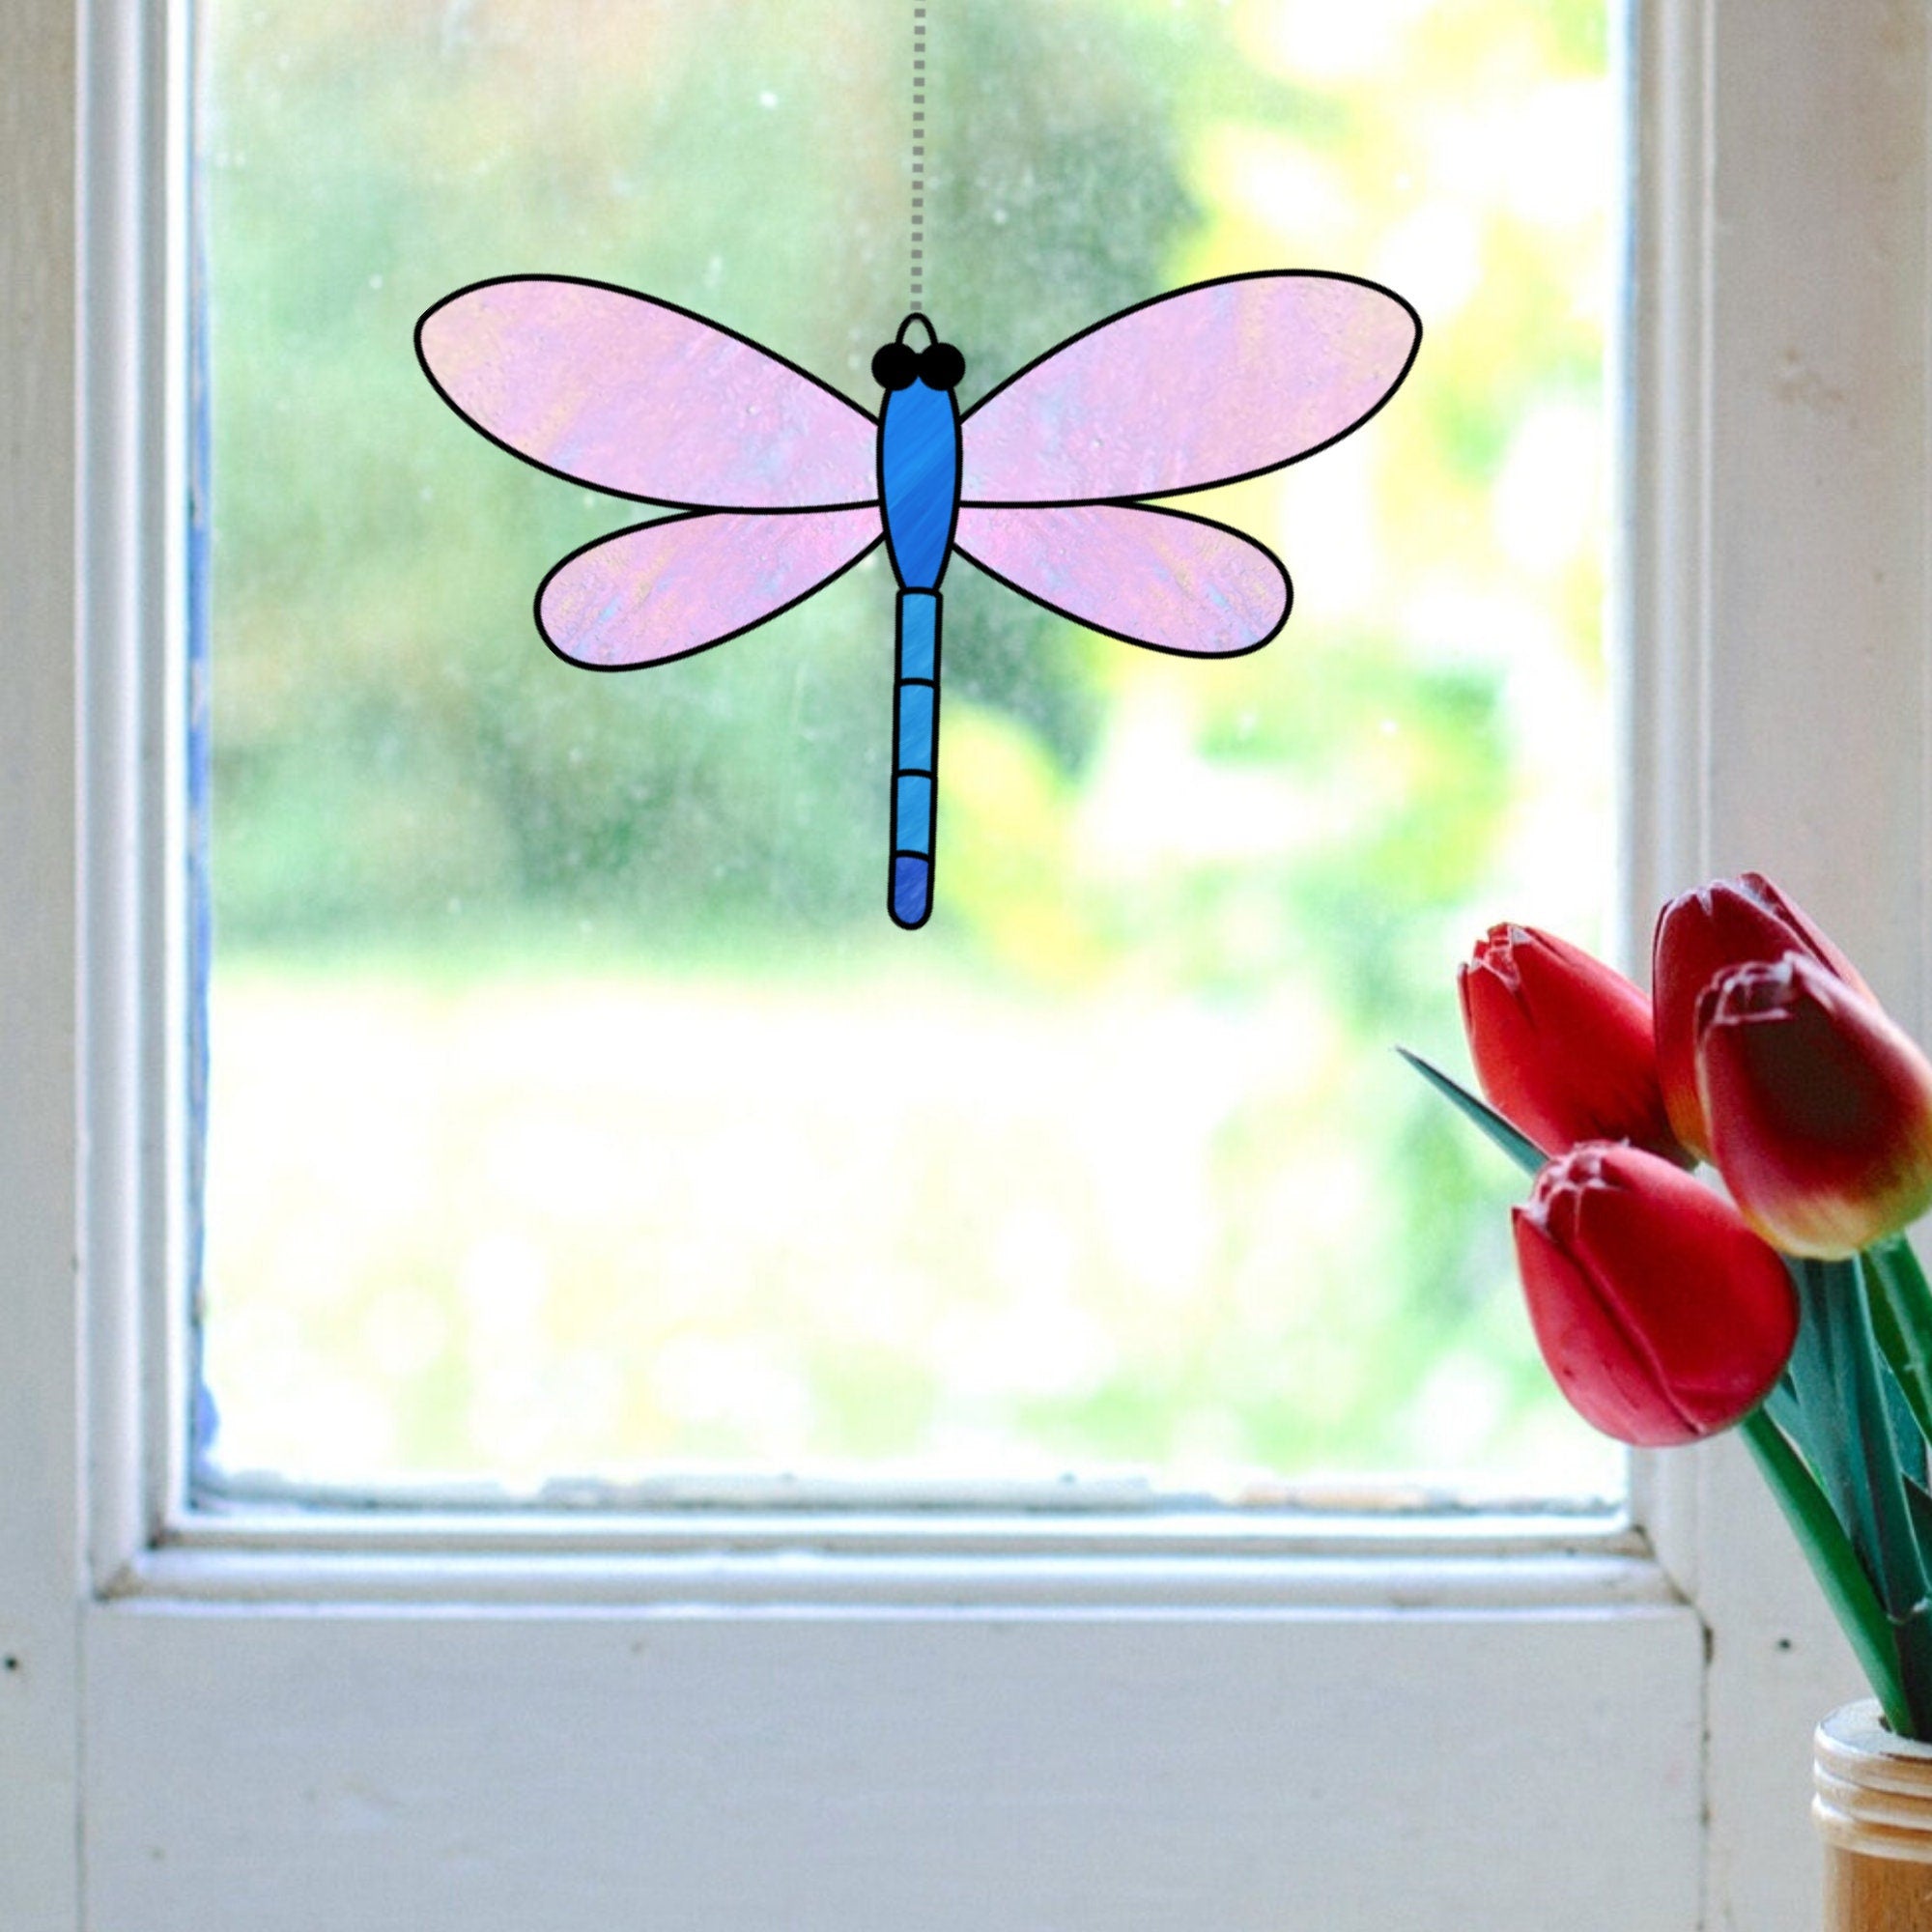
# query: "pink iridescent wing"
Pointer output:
{"type": "Point", "coordinates": [1150, 576]}
{"type": "Point", "coordinates": [639, 398]}
{"type": "Point", "coordinates": [1208, 385]}
{"type": "Point", "coordinates": [666, 589]}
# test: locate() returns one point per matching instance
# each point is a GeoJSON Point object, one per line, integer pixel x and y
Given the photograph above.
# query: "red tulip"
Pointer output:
{"type": "Point", "coordinates": [1728, 922]}
{"type": "Point", "coordinates": [1561, 1044]}
{"type": "Point", "coordinates": [1660, 1315]}
{"type": "Point", "coordinates": [1820, 1109]}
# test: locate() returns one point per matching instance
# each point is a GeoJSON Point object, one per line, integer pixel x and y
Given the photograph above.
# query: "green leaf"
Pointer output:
{"type": "Point", "coordinates": [1877, 1464]}
{"type": "Point", "coordinates": [1849, 1420]}
{"type": "Point", "coordinates": [1901, 1307]}
{"type": "Point", "coordinates": [1808, 1373]}
{"type": "Point", "coordinates": [1822, 1369]}
{"type": "Point", "coordinates": [1835, 1563]}
{"type": "Point", "coordinates": [1912, 1634]}
{"type": "Point", "coordinates": [1784, 1407]}
{"type": "Point", "coordinates": [1918, 1507]}
{"type": "Point", "coordinates": [1883, 1442]}
{"type": "Point", "coordinates": [1519, 1147]}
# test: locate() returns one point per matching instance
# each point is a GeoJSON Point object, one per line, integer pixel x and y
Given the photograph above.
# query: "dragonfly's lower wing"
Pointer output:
{"type": "Point", "coordinates": [666, 589]}
{"type": "Point", "coordinates": [1150, 576]}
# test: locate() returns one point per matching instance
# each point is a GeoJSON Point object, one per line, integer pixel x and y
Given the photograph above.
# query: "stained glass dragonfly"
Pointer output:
{"type": "Point", "coordinates": [784, 483]}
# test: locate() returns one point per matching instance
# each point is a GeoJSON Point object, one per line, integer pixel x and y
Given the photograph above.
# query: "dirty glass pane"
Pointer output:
{"type": "Point", "coordinates": [576, 1114]}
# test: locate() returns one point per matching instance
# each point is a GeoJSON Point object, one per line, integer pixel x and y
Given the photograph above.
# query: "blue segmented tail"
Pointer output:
{"type": "Point", "coordinates": [914, 757]}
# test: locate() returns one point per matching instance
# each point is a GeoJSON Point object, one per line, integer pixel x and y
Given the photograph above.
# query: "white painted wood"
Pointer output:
{"type": "Point", "coordinates": [848, 1719]}
{"type": "Point", "coordinates": [298, 1726]}
{"type": "Point", "coordinates": [1507, 1584]}
{"type": "Point", "coordinates": [38, 1044]}
{"type": "Point", "coordinates": [872, 1772]}
{"type": "Point", "coordinates": [1777, 503]}
{"type": "Point", "coordinates": [128, 987]}
{"type": "Point", "coordinates": [1659, 592]}
{"type": "Point", "coordinates": [1817, 324]}
{"type": "Point", "coordinates": [1777, 1665]}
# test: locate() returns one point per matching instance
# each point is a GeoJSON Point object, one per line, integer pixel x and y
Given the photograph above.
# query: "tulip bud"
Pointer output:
{"type": "Point", "coordinates": [1561, 1044]}
{"type": "Point", "coordinates": [1820, 1109]}
{"type": "Point", "coordinates": [1728, 922]}
{"type": "Point", "coordinates": [1661, 1315]}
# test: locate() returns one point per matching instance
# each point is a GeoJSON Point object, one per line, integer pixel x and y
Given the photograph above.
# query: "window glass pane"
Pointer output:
{"type": "Point", "coordinates": [574, 1109]}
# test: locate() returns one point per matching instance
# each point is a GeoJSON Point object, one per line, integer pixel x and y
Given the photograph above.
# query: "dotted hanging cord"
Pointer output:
{"type": "Point", "coordinates": [918, 160]}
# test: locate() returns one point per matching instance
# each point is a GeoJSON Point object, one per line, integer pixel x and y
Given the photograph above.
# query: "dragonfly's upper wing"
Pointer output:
{"type": "Point", "coordinates": [1150, 576]}
{"type": "Point", "coordinates": [1208, 385]}
{"type": "Point", "coordinates": [666, 589]}
{"type": "Point", "coordinates": [640, 399]}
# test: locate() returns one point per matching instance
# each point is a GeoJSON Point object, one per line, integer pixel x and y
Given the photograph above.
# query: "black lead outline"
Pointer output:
{"type": "Point", "coordinates": [605, 489]}
{"type": "Point", "coordinates": [1175, 295]}
{"type": "Point", "coordinates": [1142, 502]}
{"type": "Point", "coordinates": [710, 643]}
{"type": "Point", "coordinates": [1146, 510]}
{"type": "Point", "coordinates": [838, 395]}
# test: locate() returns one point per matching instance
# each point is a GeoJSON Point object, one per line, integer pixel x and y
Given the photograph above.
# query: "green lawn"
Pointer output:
{"type": "Point", "coordinates": [513, 1224]}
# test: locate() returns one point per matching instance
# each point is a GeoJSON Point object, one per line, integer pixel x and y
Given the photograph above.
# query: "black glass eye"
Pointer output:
{"type": "Point", "coordinates": [942, 366]}
{"type": "Point", "coordinates": [894, 367]}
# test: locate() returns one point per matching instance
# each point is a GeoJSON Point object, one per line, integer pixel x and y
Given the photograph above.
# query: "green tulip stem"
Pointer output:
{"type": "Point", "coordinates": [1834, 1562]}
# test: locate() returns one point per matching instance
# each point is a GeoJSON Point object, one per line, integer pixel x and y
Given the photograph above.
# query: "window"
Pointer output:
{"type": "Point", "coordinates": [315, 1720]}
{"type": "Point", "coordinates": [573, 1113]}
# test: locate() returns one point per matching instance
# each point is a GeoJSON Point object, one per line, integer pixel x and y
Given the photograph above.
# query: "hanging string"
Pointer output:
{"type": "Point", "coordinates": [918, 160]}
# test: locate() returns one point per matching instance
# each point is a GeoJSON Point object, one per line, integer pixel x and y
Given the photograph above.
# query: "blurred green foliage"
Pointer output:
{"type": "Point", "coordinates": [407, 785]}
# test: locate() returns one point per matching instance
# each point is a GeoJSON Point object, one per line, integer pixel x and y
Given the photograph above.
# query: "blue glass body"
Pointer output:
{"type": "Point", "coordinates": [919, 488]}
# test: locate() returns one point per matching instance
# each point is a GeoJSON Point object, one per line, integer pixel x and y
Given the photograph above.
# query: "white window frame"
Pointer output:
{"type": "Point", "coordinates": [974, 1721]}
